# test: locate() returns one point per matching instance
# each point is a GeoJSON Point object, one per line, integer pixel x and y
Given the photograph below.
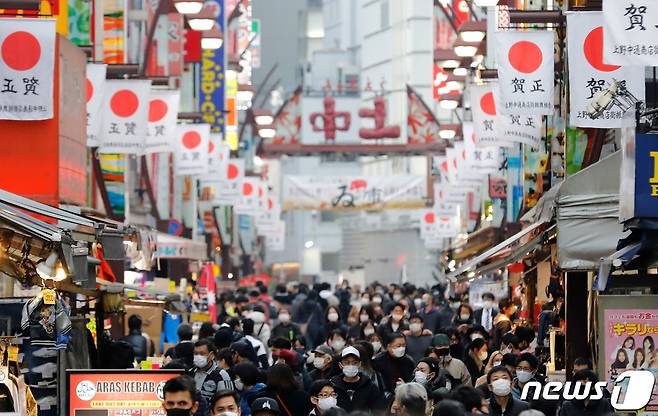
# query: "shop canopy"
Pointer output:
{"type": "Point", "coordinates": [171, 247]}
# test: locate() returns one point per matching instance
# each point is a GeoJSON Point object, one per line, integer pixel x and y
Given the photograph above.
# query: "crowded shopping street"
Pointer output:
{"type": "Point", "coordinates": [329, 207]}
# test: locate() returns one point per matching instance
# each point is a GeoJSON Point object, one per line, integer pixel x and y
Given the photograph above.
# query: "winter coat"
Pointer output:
{"type": "Point", "coordinates": [360, 396]}
{"type": "Point", "coordinates": [393, 369]}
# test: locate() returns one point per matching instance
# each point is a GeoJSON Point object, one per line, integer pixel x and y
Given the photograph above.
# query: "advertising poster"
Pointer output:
{"type": "Point", "coordinates": [117, 392]}
{"type": "Point", "coordinates": [212, 77]}
{"type": "Point", "coordinates": [630, 344]}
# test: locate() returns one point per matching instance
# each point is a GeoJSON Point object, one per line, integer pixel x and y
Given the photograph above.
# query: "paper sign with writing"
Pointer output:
{"type": "Point", "coordinates": [630, 32]}
{"type": "Point", "coordinates": [125, 114]}
{"type": "Point", "coordinates": [162, 116]}
{"type": "Point", "coordinates": [191, 155]}
{"type": "Point", "coordinates": [95, 87]}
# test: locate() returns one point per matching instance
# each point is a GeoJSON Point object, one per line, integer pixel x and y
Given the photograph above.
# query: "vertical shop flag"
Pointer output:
{"type": "Point", "coordinates": [218, 154]}
{"type": "Point", "coordinates": [27, 67]}
{"type": "Point", "coordinates": [276, 240]}
{"type": "Point", "coordinates": [589, 74]}
{"type": "Point", "coordinates": [191, 155]}
{"type": "Point", "coordinates": [479, 159]}
{"type": "Point", "coordinates": [162, 116]}
{"type": "Point", "coordinates": [124, 116]}
{"type": "Point", "coordinates": [485, 115]}
{"type": "Point", "coordinates": [525, 72]}
{"type": "Point", "coordinates": [249, 201]}
{"type": "Point", "coordinates": [95, 86]}
{"type": "Point", "coordinates": [288, 120]}
{"type": "Point", "coordinates": [422, 125]}
{"type": "Point", "coordinates": [630, 32]}
{"type": "Point", "coordinates": [230, 184]}
{"type": "Point", "coordinates": [211, 75]}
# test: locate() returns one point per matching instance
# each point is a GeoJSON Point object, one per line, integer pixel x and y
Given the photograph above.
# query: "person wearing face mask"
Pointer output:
{"type": "Point", "coordinates": [363, 318]}
{"type": "Point", "coordinates": [225, 403]}
{"type": "Point", "coordinates": [333, 321]}
{"type": "Point", "coordinates": [502, 322]}
{"type": "Point", "coordinates": [336, 340]}
{"type": "Point", "coordinates": [429, 374]}
{"type": "Point", "coordinates": [495, 359]}
{"type": "Point", "coordinates": [284, 388]}
{"type": "Point", "coordinates": [485, 315]}
{"type": "Point", "coordinates": [464, 315]}
{"type": "Point", "coordinates": [586, 407]}
{"type": "Point", "coordinates": [376, 342]}
{"type": "Point", "coordinates": [509, 344]}
{"type": "Point", "coordinates": [476, 357]}
{"type": "Point", "coordinates": [323, 397]}
{"type": "Point", "coordinates": [526, 371]}
{"type": "Point", "coordinates": [394, 365]}
{"type": "Point", "coordinates": [356, 392]}
{"type": "Point", "coordinates": [322, 363]}
{"type": "Point", "coordinates": [453, 366]}
{"type": "Point", "coordinates": [208, 376]}
{"type": "Point", "coordinates": [395, 322]}
{"type": "Point", "coordinates": [429, 313]}
{"type": "Point", "coordinates": [526, 336]}
{"type": "Point", "coordinates": [286, 328]}
{"type": "Point", "coordinates": [179, 396]}
{"type": "Point", "coordinates": [248, 384]}
{"type": "Point", "coordinates": [367, 351]}
{"type": "Point", "coordinates": [418, 339]}
{"type": "Point", "coordinates": [502, 403]}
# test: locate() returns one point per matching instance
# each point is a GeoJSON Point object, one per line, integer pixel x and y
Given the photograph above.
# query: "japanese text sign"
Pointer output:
{"type": "Point", "coordinates": [479, 159]}
{"type": "Point", "coordinates": [162, 116]}
{"type": "Point", "coordinates": [218, 154]}
{"type": "Point", "coordinates": [630, 32]}
{"type": "Point", "coordinates": [95, 85]}
{"type": "Point", "coordinates": [125, 113]}
{"type": "Point", "coordinates": [230, 182]}
{"type": "Point", "coordinates": [276, 239]}
{"type": "Point", "coordinates": [211, 75]}
{"type": "Point", "coordinates": [483, 105]}
{"type": "Point", "coordinates": [27, 67]}
{"type": "Point", "coordinates": [248, 203]}
{"type": "Point", "coordinates": [589, 74]}
{"type": "Point", "coordinates": [191, 155]}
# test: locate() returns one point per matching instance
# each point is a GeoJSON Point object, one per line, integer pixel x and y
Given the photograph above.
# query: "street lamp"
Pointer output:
{"type": "Point", "coordinates": [448, 131]}
{"type": "Point", "coordinates": [267, 131]}
{"type": "Point", "coordinates": [245, 92]}
{"type": "Point", "coordinates": [187, 7]}
{"type": "Point", "coordinates": [450, 101]}
{"type": "Point", "coordinates": [446, 58]}
{"type": "Point", "coordinates": [204, 20]}
{"type": "Point", "coordinates": [212, 39]}
{"type": "Point", "coordinates": [465, 49]}
{"type": "Point", "coordinates": [262, 116]}
{"type": "Point", "coordinates": [473, 31]}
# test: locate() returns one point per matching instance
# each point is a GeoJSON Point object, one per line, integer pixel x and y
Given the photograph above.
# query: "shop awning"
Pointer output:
{"type": "Point", "coordinates": [497, 249]}
{"type": "Point", "coordinates": [171, 247]}
{"type": "Point", "coordinates": [588, 215]}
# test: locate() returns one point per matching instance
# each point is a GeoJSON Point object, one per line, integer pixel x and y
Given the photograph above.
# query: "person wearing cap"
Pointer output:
{"type": "Point", "coordinates": [322, 363]}
{"type": "Point", "coordinates": [394, 365]}
{"type": "Point", "coordinates": [356, 392]}
{"type": "Point", "coordinates": [454, 366]}
{"type": "Point", "coordinates": [323, 397]}
{"type": "Point", "coordinates": [225, 403]}
{"type": "Point", "coordinates": [265, 406]}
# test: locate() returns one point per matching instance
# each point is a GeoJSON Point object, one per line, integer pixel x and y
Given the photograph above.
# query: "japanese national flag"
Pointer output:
{"type": "Point", "coordinates": [525, 71]}
{"type": "Point", "coordinates": [446, 226]}
{"type": "Point", "coordinates": [218, 154]}
{"type": "Point", "coordinates": [124, 114]}
{"type": "Point", "coordinates": [483, 160]}
{"type": "Point", "coordinates": [191, 154]}
{"type": "Point", "coordinates": [483, 106]}
{"type": "Point", "coordinates": [230, 182]}
{"type": "Point", "coordinates": [162, 116]}
{"type": "Point", "coordinates": [268, 216]}
{"type": "Point", "coordinates": [441, 206]}
{"type": "Point", "coordinates": [95, 89]}
{"type": "Point", "coordinates": [27, 67]}
{"type": "Point", "coordinates": [428, 220]}
{"type": "Point", "coordinates": [248, 202]}
{"type": "Point", "coordinates": [589, 74]}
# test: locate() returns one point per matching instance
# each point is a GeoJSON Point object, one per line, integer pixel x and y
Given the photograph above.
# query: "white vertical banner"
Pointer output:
{"type": "Point", "coordinates": [162, 117]}
{"type": "Point", "coordinates": [483, 160]}
{"type": "Point", "coordinates": [218, 154]}
{"type": "Point", "coordinates": [27, 68]}
{"type": "Point", "coordinates": [230, 183]}
{"type": "Point", "coordinates": [630, 32]}
{"type": "Point", "coordinates": [525, 71]}
{"type": "Point", "coordinates": [483, 106]}
{"type": "Point", "coordinates": [428, 220]}
{"type": "Point", "coordinates": [95, 87]}
{"type": "Point", "coordinates": [268, 216]}
{"type": "Point", "coordinates": [124, 116]}
{"type": "Point", "coordinates": [589, 74]}
{"type": "Point", "coordinates": [441, 206]}
{"type": "Point", "coordinates": [249, 201]}
{"type": "Point", "coordinates": [276, 239]}
{"type": "Point", "coordinates": [191, 155]}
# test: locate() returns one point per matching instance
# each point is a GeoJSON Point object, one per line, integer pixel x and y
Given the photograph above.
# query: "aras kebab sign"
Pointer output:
{"type": "Point", "coordinates": [117, 392]}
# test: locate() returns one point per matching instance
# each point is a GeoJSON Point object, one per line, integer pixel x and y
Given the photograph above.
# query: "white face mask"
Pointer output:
{"type": "Point", "coordinates": [332, 317]}
{"type": "Point", "coordinates": [284, 318]}
{"type": "Point", "coordinates": [364, 318]}
{"type": "Point", "coordinates": [399, 352]}
{"type": "Point", "coordinates": [377, 300]}
{"type": "Point", "coordinates": [501, 387]}
{"type": "Point", "coordinates": [476, 336]}
{"type": "Point", "coordinates": [483, 356]}
{"type": "Point", "coordinates": [397, 317]}
{"type": "Point", "coordinates": [417, 303]}
{"type": "Point", "coordinates": [416, 327]}
{"type": "Point", "coordinates": [327, 403]}
{"type": "Point", "coordinates": [318, 362]}
{"type": "Point", "coordinates": [487, 304]}
{"type": "Point", "coordinates": [376, 345]}
{"type": "Point", "coordinates": [523, 376]}
{"type": "Point", "coordinates": [420, 377]}
{"type": "Point", "coordinates": [200, 361]}
{"type": "Point", "coordinates": [350, 370]}
{"type": "Point", "coordinates": [368, 331]}
{"type": "Point", "coordinates": [338, 344]}
{"type": "Point", "coordinates": [464, 316]}
{"type": "Point", "coordinates": [239, 385]}
{"type": "Point", "coordinates": [397, 297]}
{"type": "Point", "coordinates": [497, 363]}
{"type": "Point", "coordinates": [506, 350]}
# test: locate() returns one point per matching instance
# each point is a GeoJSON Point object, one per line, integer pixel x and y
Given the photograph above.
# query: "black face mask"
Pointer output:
{"type": "Point", "coordinates": [442, 352]}
{"type": "Point", "coordinates": [179, 412]}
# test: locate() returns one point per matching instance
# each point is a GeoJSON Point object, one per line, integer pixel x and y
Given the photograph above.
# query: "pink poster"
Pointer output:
{"type": "Point", "coordinates": [630, 342]}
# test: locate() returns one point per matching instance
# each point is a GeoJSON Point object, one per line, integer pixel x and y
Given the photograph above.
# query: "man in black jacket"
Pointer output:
{"type": "Point", "coordinates": [142, 346]}
{"type": "Point", "coordinates": [394, 365]}
{"type": "Point", "coordinates": [502, 403]}
{"type": "Point", "coordinates": [356, 392]}
{"type": "Point", "coordinates": [208, 376]}
{"type": "Point", "coordinates": [586, 407]}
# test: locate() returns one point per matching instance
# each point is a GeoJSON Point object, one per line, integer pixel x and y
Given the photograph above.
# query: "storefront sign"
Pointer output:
{"type": "Point", "coordinates": [340, 193]}
{"type": "Point", "coordinates": [117, 392]}
{"type": "Point", "coordinates": [630, 32]}
{"type": "Point", "coordinates": [589, 73]}
{"type": "Point", "coordinates": [646, 176]}
{"type": "Point", "coordinates": [124, 116]}
{"type": "Point", "coordinates": [211, 76]}
{"type": "Point", "coordinates": [162, 116]}
{"type": "Point", "coordinates": [191, 155]}
{"type": "Point", "coordinates": [27, 67]}
{"type": "Point", "coordinates": [525, 72]}
{"type": "Point", "coordinates": [95, 85]}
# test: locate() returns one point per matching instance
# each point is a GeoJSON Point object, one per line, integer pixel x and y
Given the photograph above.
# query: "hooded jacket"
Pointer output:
{"type": "Point", "coordinates": [578, 408]}
{"type": "Point", "coordinates": [360, 396]}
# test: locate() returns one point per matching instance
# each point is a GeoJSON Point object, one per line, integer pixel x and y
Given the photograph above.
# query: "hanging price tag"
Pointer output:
{"type": "Point", "coordinates": [49, 296]}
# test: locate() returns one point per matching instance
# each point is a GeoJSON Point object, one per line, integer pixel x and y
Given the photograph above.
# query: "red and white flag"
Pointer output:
{"type": "Point", "coordinates": [27, 67]}
{"type": "Point", "coordinates": [191, 154]}
{"type": "Point", "coordinates": [248, 202]}
{"type": "Point", "coordinates": [267, 217]}
{"type": "Point", "coordinates": [525, 72]}
{"type": "Point", "coordinates": [485, 115]}
{"type": "Point", "coordinates": [218, 154]}
{"type": "Point", "coordinates": [124, 113]}
{"type": "Point", "coordinates": [230, 183]}
{"type": "Point", "coordinates": [479, 159]}
{"type": "Point", "coordinates": [162, 117]}
{"type": "Point", "coordinates": [95, 87]}
{"type": "Point", "coordinates": [589, 74]}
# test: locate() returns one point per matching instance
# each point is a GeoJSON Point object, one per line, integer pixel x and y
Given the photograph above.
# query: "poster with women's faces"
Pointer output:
{"type": "Point", "coordinates": [631, 341]}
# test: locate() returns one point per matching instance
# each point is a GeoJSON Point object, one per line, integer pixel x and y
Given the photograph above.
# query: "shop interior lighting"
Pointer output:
{"type": "Point", "coordinates": [267, 131]}
{"type": "Point", "coordinates": [187, 7]}
{"type": "Point", "coordinates": [204, 20]}
{"type": "Point", "coordinates": [245, 92]}
{"type": "Point", "coordinates": [471, 275]}
{"type": "Point", "coordinates": [49, 269]}
{"type": "Point", "coordinates": [460, 71]}
{"type": "Point", "coordinates": [473, 31]}
{"type": "Point", "coordinates": [452, 264]}
{"type": "Point", "coordinates": [309, 244]}
{"type": "Point", "coordinates": [449, 131]}
{"type": "Point", "coordinates": [212, 39]}
{"type": "Point", "coordinates": [450, 101]}
{"type": "Point", "coordinates": [455, 82]}
{"type": "Point", "coordinates": [465, 49]}
{"type": "Point", "coordinates": [230, 276]}
{"type": "Point", "coordinates": [446, 59]}
{"type": "Point", "coordinates": [263, 116]}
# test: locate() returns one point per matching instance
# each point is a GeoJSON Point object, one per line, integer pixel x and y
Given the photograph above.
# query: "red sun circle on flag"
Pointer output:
{"type": "Point", "coordinates": [191, 139]}
{"type": "Point", "coordinates": [233, 171]}
{"type": "Point", "coordinates": [260, 192]}
{"type": "Point", "coordinates": [487, 104]}
{"type": "Point", "coordinates": [270, 204]}
{"type": "Point", "coordinates": [429, 218]}
{"type": "Point", "coordinates": [247, 189]}
{"type": "Point", "coordinates": [90, 89]}
{"type": "Point", "coordinates": [593, 48]}
{"type": "Point", "coordinates": [21, 51]}
{"type": "Point", "coordinates": [157, 110]}
{"type": "Point", "coordinates": [124, 103]}
{"type": "Point", "coordinates": [211, 147]}
{"type": "Point", "coordinates": [525, 56]}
